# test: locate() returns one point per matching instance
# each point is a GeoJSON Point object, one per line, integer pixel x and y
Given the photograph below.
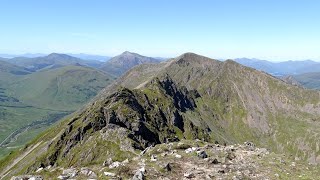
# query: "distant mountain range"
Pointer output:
{"type": "Point", "coordinates": [125, 61]}
{"type": "Point", "coordinates": [309, 80]}
{"type": "Point", "coordinates": [78, 55]}
{"type": "Point", "coordinates": [53, 60]}
{"type": "Point", "coordinates": [91, 57]}
{"type": "Point", "coordinates": [28, 55]}
{"type": "Point", "coordinates": [281, 68]}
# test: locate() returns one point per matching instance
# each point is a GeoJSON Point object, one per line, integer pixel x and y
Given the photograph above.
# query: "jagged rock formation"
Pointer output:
{"type": "Point", "coordinates": [189, 97]}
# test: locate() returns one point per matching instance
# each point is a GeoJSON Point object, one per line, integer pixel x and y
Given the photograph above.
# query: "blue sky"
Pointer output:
{"type": "Point", "coordinates": [266, 29]}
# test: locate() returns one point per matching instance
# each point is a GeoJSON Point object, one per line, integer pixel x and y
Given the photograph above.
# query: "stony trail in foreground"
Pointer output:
{"type": "Point", "coordinates": [190, 160]}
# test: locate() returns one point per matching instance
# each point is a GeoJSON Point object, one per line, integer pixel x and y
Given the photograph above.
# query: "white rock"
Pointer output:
{"type": "Point", "coordinates": [125, 161]}
{"type": "Point", "coordinates": [34, 178]}
{"type": "Point", "coordinates": [189, 150]}
{"type": "Point", "coordinates": [109, 174]}
{"type": "Point", "coordinates": [88, 172]}
{"type": "Point", "coordinates": [40, 169]}
{"type": "Point", "coordinates": [139, 175]}
{"type": "Point", "coordinates": [178, 156]}
{"type": "Point", "coordinates": [142, 169]}
{"type": "Point", "coordinates": [153, 158]}
{"type": "Point", "coordinates": [114, 165]}
{"type": "Point", "coordinates": [72, 172]}
{"type": "Point", "coordinates": [63, 177]}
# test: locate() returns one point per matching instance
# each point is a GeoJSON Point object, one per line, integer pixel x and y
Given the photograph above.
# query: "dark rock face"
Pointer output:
{"type": "Point", "coordinates": [182, 98]}
{"type": "Point", "coordinates": [150, 117]}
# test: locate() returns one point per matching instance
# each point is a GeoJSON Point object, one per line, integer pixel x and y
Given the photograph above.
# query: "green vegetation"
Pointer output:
{"type": "Point", "coordinates": [30, 102]}
{"type": "Point", "coordinates": [309, 80]}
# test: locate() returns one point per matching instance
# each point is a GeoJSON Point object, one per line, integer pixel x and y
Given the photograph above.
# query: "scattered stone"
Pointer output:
{"type": "Point", "coordinates": [39, 170]}
{"type": "Point", "coordinates": [250, 146]}
{"type": "Point", "coordinates": [164, 154]}
{"type": "Point", "coordinates": [144, 151]}
{"type": "Point", "coordinates": [221, 171]}
{"type": "Point", "coordinates": [114, 165]}
{"type": "Point", "coordinates": [234, 162]}
{"type": "Point", "coordinates": [63, 177]}
{"type": "Point", "coordinates": [139, 175]}
{"type": "Point", "coordinates": [189, 150]}
{"type": "Point", "coordinates": [107, 162]}
{"type": "Point", "coordinates": [214, 161]}
{"type": "Point", "coordinates": [72, 172]}
{"type": "Point", "coordinates": [27, 177]}
{"type": "Point", "coordinates": [126, 161]}
{"type": "Point", "coordinates": [202, 154]}
{"type": "Point", "coordinates": [153, 158]}
{"type": "Point", "coordinates": [88, 172]}
{"type": "Point", "coordinates": [230, 155]}
{"type": "Point", "coordinates": [142, 169]}
{"type": "Point", "coordinates": [167, 167]}
{"type": "Point", "coordinates": [189, 175]}
{"type": "Point", "coordinates": [109, 174]}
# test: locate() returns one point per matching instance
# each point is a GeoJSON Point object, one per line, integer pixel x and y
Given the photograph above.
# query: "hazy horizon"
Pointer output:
{"type": "Point", "coordinates": [30, 55]}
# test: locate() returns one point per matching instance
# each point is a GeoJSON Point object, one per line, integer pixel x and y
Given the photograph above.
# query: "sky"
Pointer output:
{"type": "Point", "coordinates": [265, 29]}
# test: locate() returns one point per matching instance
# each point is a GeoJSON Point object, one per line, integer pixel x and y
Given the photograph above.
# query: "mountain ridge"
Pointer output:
{"type": "Point", "coordinates": [281, 68]}
{"type": "Point", "coordinates": [188, 97]}
{"type": "Point", "coordinates": [52, 60]}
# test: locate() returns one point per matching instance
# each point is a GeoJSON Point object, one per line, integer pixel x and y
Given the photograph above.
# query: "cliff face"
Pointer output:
{"type": "Point", "coordinates": [189, 97]}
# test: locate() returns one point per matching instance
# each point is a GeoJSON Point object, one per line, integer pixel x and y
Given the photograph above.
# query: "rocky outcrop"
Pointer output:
{"type": "Point", "coordinates": [193, 160]}
{"type": "Point", "coordinates": [149, 117]}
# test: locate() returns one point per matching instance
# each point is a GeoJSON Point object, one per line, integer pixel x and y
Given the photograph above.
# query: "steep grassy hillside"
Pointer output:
{"type": "Point", "coordinates": [31, 102]}
{"type": "Point", "coordinates": [64, 88]}
{"type": "Point", "coordinates": [189, 97]}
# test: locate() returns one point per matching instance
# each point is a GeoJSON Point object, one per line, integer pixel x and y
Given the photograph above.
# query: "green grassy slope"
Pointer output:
{"type": "Point", "coordinates": [65, 88]}
{"type": "Point", "coordinates": [30, 103]}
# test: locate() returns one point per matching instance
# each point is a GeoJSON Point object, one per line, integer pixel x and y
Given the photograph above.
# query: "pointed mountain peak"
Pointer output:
{"type": "Point", "coordinates": [127, 52]}
{"type": "Point", "coordinates": [192, 58]}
